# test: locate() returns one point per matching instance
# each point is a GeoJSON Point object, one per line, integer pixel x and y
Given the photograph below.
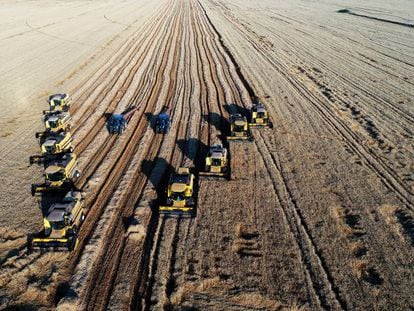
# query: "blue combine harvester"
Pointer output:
{"type": "Point", "coordinates": [163, 122]}
{"type": "Point", "coordinates": [117, 123]}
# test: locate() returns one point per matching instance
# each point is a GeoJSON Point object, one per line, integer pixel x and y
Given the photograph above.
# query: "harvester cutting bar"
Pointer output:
{"type": "Point", "coordinates": [261, 125]}
{"type": "Point", "coordinates": [177, 211]}
{"type": "Point", "coordinates": [47, 187]}
{"type": "Point", "coordinates": [212, 174]}
{"type": "Point", "coordinates": [55, 244]}
{"type": "Point", "coordinates": [249, 137]}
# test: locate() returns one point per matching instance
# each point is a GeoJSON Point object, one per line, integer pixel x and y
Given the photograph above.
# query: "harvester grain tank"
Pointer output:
{"type": "Point", "coordinates": [259, 116]}
{"type": "Point", "coordinates": [216, 163]}
{"type": "Point", "coordinates": [61, 224]}
{"type": "Point", "coordinates": [163, 121]}
{"type": "Point", "coordinates": [239, 128]}
{"type": "Point", "coordinates": [52, 145]}
{"type": "Point", "coordinates": [60, 174]}
{"type": "Point", "coordinates": [55, 122]}
{"type": "Point", "coordinates": [59, 102]}
{"type": "Point", "coordinates": [117, 123]}
{"type": "Point", "coordinates": [180, 193]}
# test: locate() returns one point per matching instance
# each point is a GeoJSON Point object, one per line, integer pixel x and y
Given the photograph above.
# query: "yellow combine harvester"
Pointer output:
{"type": "Point", "coordinates": [216, 162]}
{"type": "Point", "coordinates": [52, 144]}
{"type": "Point", "coordinates": [180, 193]}
{"type": "Point", "coordinates": [239, 128]}
{"type": "Point", "coordinates": [259, 116]}
{"type": "Point", "coordinates": [61, 224]}
{"type": "Point", "coordinates": [55, 122]}
{"type": "Point", "coordinates": [59, 102]}
{"type": "Point", "coordinates": [60, 174]}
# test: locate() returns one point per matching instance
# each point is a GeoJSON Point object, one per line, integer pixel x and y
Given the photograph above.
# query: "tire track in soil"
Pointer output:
{"type": "Point", "coordinates": [141, 124]}
{"type": "Point", "coordinates": [164, 280]}
{"type": "Point", "coordinates": [145, 215]}
{"type": "Point", "coordinates": [168, 255]}
{"type": "Point", "coordinates": [170, 227]}
{"type": "Point", "coordinates": [116, 83]}
{"type": "Point", "coordinates": [236, 91]}
{"type": "Point", "coordinates": [373, 162]}
{"type": "Point", "coordinates": [107, 269]}
{"type": "Point", "coordinates": [326, 283]}
{"type": "Point", "coordinates": [89, 85]}
{"type": "Point", "coordinates": [23, 253]}
{"type": "Point", "coordinates": [110, 141]}
{"type": "Point", "coordinates": [159, 175]}
{"type": "Point", "coordinates": [113, 179]}
{"type": "Point", "coordinates": [169, 259]}
{"type": "Point", "coordinates": [103, 147]}
{"type": "Point", "coordinates": [322, 281]}
{"type": "Point", "coordinates": [20, 258]}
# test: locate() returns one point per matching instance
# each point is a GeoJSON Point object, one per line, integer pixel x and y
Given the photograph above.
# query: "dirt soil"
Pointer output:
{"type": "Point", "coordinates": [319, 211]}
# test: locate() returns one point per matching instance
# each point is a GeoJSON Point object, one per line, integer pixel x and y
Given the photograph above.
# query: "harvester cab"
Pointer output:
{"type": "Point", "coordinates": [259, 116]}
{"type": "Point", "coordinates": [239, 128]}
{"type": "Point", "coordinates": [163, 122]}
{"type": "Point", "coordinates": [180, 193]}
{"type": "Point", "coordinates": [61, 224]}
{"type": "Point", "coordinates": [117, 123]}
{"type": "Point", "coordinates": [52, 145]}
{"type": "Point", "coordinates": [56, 122]}
{"type": "Point", "coordinates": [216, 162]}
{"type": "Point", "coordinates": [60, 174]}
{"type": "Point", "coordinates": [59, 102]}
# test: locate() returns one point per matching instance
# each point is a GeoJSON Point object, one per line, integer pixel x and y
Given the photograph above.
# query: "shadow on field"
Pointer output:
{"type": "Point", "coordinates": [193, 149]}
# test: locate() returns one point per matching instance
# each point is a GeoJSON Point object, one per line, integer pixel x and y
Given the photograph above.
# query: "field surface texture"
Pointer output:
{"type": "Point", "coordinates": [318, 213]}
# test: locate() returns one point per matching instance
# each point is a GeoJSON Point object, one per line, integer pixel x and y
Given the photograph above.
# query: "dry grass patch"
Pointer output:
{"type": "Point", "coordinates": [359, 268]}
{"type": "Point", "coordinates": [215, 287]}
{"type": "Point", "coordinates": [339, 215]}
{"type": "Point", "coordinates": [357, 249]}
{"type": "Point", "coordinates": [388, 212]}
{"type": "Point", "coordinates": [197, 287]}
{"type": "Point", "coordinates": [399, 221]}
{"type": "Point", "coordinates": [255, 300]}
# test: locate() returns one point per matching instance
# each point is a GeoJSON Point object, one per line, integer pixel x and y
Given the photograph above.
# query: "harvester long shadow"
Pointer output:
{"type": "Point", "coordinates": [107, 116]}
{"type": "Point", "coordinates": [158, 172]}
{"type": "Point", "coordinates": [128, 109]}
{"type": "Point", "coordinates": [64, 290]}
{"type": "Point", "coordinates": [193, 149]}
{"type": "Point", "coordinates": [219, 122]}
{"type": "Point", "coordinates": [22, 307]}
{"type": "Point", "coordinates": [151, 118]}
{"type": "Point", "coordinates": [234, 108]}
